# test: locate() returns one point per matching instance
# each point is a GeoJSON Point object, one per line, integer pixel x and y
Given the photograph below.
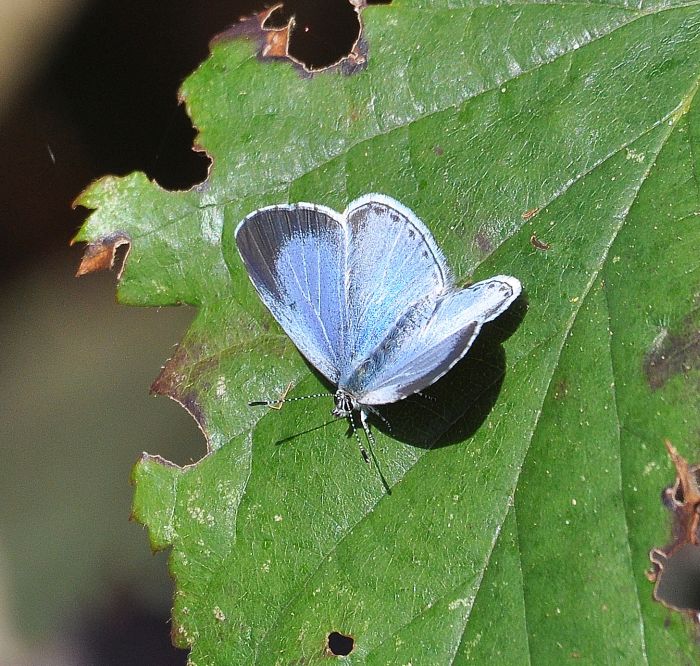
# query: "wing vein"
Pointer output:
{"type": "Point", "coordinates": [308, 300]}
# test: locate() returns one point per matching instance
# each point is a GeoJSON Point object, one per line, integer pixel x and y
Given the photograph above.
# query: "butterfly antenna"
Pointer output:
{"type": "Point", "coordinates": [277, 404]}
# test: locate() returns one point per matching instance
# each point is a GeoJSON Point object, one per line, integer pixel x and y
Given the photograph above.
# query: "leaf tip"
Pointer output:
{"type": "Point", "coordinates": [155, 480]}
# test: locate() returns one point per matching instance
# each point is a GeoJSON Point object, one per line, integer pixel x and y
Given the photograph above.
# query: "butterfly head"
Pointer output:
{"type": "Point", "coordinates": [345, 404]}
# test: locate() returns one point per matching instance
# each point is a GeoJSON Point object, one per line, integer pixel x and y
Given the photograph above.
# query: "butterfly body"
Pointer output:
{"type": "Point", "coordinates": [366, 296]}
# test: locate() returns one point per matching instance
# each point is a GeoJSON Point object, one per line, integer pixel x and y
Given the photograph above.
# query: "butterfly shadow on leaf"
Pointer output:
{"type": "Point", "coordinates": [454, 407]}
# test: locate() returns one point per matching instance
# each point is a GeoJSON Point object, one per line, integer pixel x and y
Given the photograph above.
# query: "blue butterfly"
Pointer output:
{"type": "Point", "coordinates": [366, 296]}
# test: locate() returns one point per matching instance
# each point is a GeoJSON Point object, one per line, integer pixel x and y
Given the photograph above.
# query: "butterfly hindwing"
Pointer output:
{"type": "Point", "coordinates": [431, 348]}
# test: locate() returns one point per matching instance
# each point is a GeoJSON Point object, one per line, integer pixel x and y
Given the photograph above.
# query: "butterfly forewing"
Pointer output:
{"type": "Point", "coordinates": [393, 263]}
{"type": "Point", "coordinates": [296, 257]}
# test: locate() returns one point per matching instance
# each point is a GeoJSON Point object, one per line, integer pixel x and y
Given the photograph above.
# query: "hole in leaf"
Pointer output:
{"type": "Point", "coordinates": [115, 78]}
{"type": "Point", "coordinates": [339, 644]}
{"type": "Point", "coordinates": [176, 164]}
{"type": "Point", "coordinates": [321, 33]}
{"type": "Point", "coordinates": [317, 34]}
{"type": "Point", "coordinates": [679, 586]}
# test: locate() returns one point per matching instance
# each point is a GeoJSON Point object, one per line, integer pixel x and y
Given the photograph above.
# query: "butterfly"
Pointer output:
{"type": "Point", "coordinates": [366, 296]}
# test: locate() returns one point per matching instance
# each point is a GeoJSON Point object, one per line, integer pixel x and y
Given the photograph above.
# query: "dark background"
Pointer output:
{"type": "Point", "coordinates": [94, 92]}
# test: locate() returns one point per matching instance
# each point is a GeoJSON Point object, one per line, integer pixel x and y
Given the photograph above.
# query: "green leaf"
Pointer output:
{"type": "Point", "coordinates": [523, 506]}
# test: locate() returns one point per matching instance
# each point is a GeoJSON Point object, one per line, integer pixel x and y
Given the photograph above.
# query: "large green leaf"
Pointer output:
{"type": "Point", "coordinates": [522, 511]}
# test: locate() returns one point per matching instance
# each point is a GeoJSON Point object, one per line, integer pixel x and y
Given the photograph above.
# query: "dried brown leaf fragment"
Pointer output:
{"type": "Point", "coordinates": [102, 254]}
{"type": "Point", "coordinates": [675, 568]}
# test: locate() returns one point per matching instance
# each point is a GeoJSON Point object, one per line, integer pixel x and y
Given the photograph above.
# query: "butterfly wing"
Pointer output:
{"type": "Point", "coordinates": [296, 256]}
{"type": "Point", "coordinates": [393, 263]}
{"type": "Point", "coordinates": [425, 345]}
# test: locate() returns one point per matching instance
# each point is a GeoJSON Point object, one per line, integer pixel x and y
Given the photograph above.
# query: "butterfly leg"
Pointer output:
{"type": "Point", "coordinates": [363, 451]}
{"type": "Point", "coordinates": [370, 439]}
{"type": "Point", "coordinates": [426, 396]}
{"type": "Point", "coordinates": [381, 417]}
{"type": "Point", "coordinates": [365, 426]}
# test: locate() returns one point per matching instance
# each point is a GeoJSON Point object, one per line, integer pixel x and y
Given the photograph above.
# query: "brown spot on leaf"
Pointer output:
{"type": "Point", "coordinates": [483, 242]}
{"type": "Point", "coordinates": [673, 353]}
{"type": "Point", "coordinates": [276, 37]}
{"type": "Point", "coordinates": [176, 384]}
{"type": "Point", "coordinates": [439, 151]}
{"type": "Point", "coordinates": [682, 557]}
{"type": "Point", "coordinates": [561, 389]}
{"type": "Point", "coordinates": [529, 214]}
{"type": "Point", "coordinates": [539, 244]}
{"type": "Point", "coordinates": [247, 28]}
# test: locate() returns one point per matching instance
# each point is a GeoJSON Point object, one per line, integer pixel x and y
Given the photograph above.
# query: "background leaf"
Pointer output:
{"type": "Point", "coordinates": [523, 505]}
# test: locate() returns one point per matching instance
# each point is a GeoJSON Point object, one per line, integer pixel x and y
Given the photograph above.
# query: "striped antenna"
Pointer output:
{"type": "Point", "coordinates": [277, 404]}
